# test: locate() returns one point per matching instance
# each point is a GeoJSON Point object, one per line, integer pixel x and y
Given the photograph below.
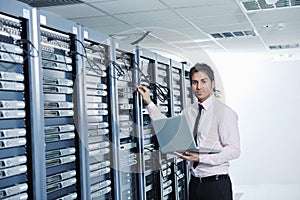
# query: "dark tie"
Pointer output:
{"type": "Point", "coordinates": [196, 130]}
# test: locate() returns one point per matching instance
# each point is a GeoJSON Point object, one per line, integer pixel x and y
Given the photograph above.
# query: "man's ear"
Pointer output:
{"type": "Point", "coordinates": [213, 85]}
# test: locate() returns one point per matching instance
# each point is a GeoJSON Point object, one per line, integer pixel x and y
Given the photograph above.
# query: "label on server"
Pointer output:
{"type": "Point", "coordinates": [57, 89]}
{"type": "Point", "coordinates": [58, 113]}
{"type": "Point", "coordinates": [98, 132]}
{"type": "Point", "coordinates": [100, 165]}
{"type": "Point", "coordinates": [23, 196]}
{"type": "Point", "coordinates": [167, 191]}
{"type": "Point", "coordinates": [4, 85]}
{"type": "Point", "coordinates": [61, 176]}
{"type": "Point", "coordinates": [17, 132]}
{"type": "Point", "coordinates": [99, 145]}
{"type": "Point", "coordinates": [95, 84]}
{"type": "Point", "coordinates": [12, 161]}
{"type": "Point", "coordinates": [60, 185]}
{"type": "Point", "coordinates": [167, 183]}
{"type": "Point", "coordinates": [125, 106]}
{"type": "Point", "coordinates": [97, 105]}
{"type": "Point", "coordinates": [57, 81]}
{"type": "Point", "coordinates": [93, 119]}
{"type": "Point", "coordinates": [13, 171]}
{"type": "Point", "coordinates": [59, 161]}
{"type": "Point", "coordinates": [69, 197]}
{"type": "Point", "coordinates": [96, 92]}
{"type": "Point", "coordinates": [5, 192]}
{"type": "Point", "coordinates": [98, 152]}
{"type": "Point", "coordinates": [11, 76]}
{"type": "Point", "coordinates": [59, 137]}
{"type": "Point", "coordinates": [99, 172]}
{"type": "Point", "coordinates": [10, 48]}
{"type": "Point", "coordinates": [10, 114]}
{"type": "Point", "coordinates": [61, 128]}
{"type": "Point", "coordinates": [12, 104]}
{"type": "Point", "coordinates": [8, 57]}
{"type": "Point", "coordinates": [57, 66]}
{"type": "Point", "coordinates": [97, 112]}
{"type": "Point", "coordinates": [59, 152]}
{"type": "Point", "coordinates": [100, 185]}
{"type": "Point", "coordinates": [56, 57]}
{"type": "Point", "coordinates": [101, 192]}
{"type": "Point", "coordinates": [57, 105]}
{"type": "Point", "coordinates": [98, 125]}
{"type": "Point", "coordinates": [14, 142]}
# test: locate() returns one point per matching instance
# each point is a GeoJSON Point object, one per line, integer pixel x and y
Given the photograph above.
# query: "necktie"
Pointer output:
{"type": "Point", "coordinates": [196, 130]}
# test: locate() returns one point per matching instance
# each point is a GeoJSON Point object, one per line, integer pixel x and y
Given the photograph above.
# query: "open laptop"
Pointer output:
{"type": "Point", "coordinates": [173, 134]}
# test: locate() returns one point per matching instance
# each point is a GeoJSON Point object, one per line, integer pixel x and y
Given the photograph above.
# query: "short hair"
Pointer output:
{"type": "Point", "coordinates": [203, 68]}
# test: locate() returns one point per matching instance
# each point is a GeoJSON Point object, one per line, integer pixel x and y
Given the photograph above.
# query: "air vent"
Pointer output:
{"type": "Point", "coordinates": [257, 5]}
{"type": "Point", "coordinates": [284, 46]}
{"type": "Point", "coordinates": [46, 3]}
{"type": "Point", "coordinates": [233, 34]}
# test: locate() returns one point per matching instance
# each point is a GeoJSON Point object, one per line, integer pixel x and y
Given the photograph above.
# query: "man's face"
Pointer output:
{"type": "Point", "coordinates": [202, 86]}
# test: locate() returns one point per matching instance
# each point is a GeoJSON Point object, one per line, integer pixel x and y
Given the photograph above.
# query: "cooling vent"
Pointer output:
{"type": "Point", "coordinates": [233, 34]}
{"type": "Point", "coordinates": [284, 46]}
{"type": "Point", "coordinates": [46, 3]}
{"type": "Point", "coordinates": [256, 5]}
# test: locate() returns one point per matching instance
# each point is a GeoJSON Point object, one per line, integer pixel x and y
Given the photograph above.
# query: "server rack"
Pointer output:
{"type": "Point", "coordinates": [164, 78]}
{"type": "Point", "coordinates": [178, 103]}
{"type": "Point", "coordinates": [97, 86]}
{"type": "Point", "coordinates": [151, 154]}
{"type": "Point", "coordinates": [15, 132]}
{"type": "Point", "coordinates": [59, 113]}
{"type": "Point", "coordinates": [59, 72]}
{"type": "Point", "coordinates": [127, 123]}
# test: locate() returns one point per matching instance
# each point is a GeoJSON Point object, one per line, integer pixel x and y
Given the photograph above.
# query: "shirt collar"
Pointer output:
{"type": "Point", "coordinates": [208, 102]}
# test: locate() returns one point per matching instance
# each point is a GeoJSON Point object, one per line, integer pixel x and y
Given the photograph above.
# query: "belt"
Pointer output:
{"type": "Point", "coordinates": [208, 178]}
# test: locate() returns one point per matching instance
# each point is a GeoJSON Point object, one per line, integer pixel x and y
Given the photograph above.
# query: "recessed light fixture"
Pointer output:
{"type": "Point", "coordinates": [271, 2]}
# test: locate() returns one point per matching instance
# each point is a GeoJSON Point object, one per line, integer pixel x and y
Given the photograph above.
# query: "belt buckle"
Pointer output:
{"type": "Point", "coordinates": [200, 179]}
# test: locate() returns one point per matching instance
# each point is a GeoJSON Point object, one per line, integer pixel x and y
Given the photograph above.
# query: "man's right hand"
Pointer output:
{"type": "Point", "coordinates": [144, 91]}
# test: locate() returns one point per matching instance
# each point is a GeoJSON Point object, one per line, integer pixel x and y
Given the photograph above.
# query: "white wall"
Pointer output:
{"type": "Point", "coordinates": [266, 96]}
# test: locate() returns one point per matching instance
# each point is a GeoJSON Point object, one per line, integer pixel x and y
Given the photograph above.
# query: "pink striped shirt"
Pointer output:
{"type": "Point", "coordinates": [217, 129]}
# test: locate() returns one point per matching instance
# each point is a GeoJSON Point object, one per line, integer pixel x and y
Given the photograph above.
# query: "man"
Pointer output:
{"type": "Point", "coordinates": [216, 127]}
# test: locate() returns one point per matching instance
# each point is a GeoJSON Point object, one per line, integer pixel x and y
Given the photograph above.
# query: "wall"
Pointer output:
{"type": "Point", "coordinates": [266, 96]}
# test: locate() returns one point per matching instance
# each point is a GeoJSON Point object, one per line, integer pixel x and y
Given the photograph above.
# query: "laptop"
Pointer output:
{"type": "Point", "coordinates": [174, 134]}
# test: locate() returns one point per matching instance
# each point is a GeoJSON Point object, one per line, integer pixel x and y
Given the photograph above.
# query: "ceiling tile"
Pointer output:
{"type": "Point", "coordinates": [98, 21]}
{"type": "Point", "coordinates": [112, 29]}
{"type": "Point", "coordinates": [69, 11]}
{"type": "Point", "coordinates": [249, 44]}
{"type": "Point", "coordinates": [128, 6]}
{"type": "Point", "coordinates": [209, 10]}
{"type": "Point", "coordinates": [220, 20]}
{"type": "Point", "coordinates": [192, 3]}
{"type": "Point", "coordinates": [227, 28]}
{"type": "Point", "coordinates": [149, 16]}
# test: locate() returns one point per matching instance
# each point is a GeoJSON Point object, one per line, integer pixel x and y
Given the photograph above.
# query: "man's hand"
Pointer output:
{"type": "Point", "coordinates": [189, 156]}
{"type": "Point", "coordinates": [145, 94]}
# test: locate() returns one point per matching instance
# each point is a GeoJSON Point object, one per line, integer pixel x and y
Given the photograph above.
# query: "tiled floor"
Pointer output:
{"type": "Point", "coordinates": [266, 192]}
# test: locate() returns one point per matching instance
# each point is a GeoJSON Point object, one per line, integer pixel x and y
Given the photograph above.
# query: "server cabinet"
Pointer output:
{"type": "Point", "coordinates": [165, 103]}
{"type": "Point", "coordinates": [59, 72]}
{"type": "Point", "coordinates": [127, 123]}
{"type": "Point", "coordinates": [97, 76]}
{"type": "Point", "coordinates": [177, 87]}
{"type": "Point", "coordinates": [151, 154]}
{"type": "Point", "coordinates": [15, 132]}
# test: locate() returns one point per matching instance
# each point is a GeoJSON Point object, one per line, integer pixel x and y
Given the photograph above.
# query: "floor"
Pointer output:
{"type": "Point", "coordinates": [266, 192]}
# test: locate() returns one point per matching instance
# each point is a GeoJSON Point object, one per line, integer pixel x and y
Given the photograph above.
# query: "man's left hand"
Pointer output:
{"type": "Point", "coordinates": [189, 156]}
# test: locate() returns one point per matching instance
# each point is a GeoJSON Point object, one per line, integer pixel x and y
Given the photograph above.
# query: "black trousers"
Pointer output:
{"type": "Point", "coordinates": [212, 188]}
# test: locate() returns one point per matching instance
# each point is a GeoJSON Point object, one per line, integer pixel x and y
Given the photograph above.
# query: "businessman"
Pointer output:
{"type": "Point", "coordinates": [214, 125]}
